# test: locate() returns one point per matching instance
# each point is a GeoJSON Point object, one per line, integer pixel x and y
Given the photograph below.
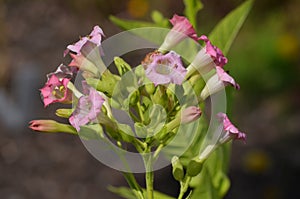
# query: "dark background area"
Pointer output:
{"type": "Point", "coordinates": [264, 60]}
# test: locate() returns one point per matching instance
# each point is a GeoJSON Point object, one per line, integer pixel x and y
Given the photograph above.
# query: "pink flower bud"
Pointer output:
{"type": "Point", "coordinates": [190, 114]}
{"type": "Point", "coordinates": [50, 126]}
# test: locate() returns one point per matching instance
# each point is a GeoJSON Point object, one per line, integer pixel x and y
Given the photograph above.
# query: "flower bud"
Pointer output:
{"type": "Point", "coordinates": [177, 169]}
{"type": "Point", "coordinates": [134, 98]}
{"type": "Point", "coordinates": [64, 112]}
{"type": "Point", "coordinates": [190, 114]}
{"type": "Point", "coordinates": [194, 167]}
{"type": "Point", "coordinates": [121, 65]}
{"type": "Point", "coordinates": [51, 126]}
{"type": "Point", "coordinates": [150, 88]}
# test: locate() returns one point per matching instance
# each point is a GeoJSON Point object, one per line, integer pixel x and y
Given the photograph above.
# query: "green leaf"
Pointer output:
{"type": "Point", "coordinates": [159, 19]}
{"type": "Point", "coordinates": [123, 192]}
{"type": "Point", "coordinates": [192, 7]}
{"type": "Point", "coordinates": [206, 189]}
{"type": "Point", "coordinates": [128, 193]}
{"type": "Point", "coordinates": [226, 30]}
{"type": "Point", "coordinates": [91, 132]}
{"type": "Point", "coordinates": [131, 24]}
{"type": "Point", "coordinates": [186, 144]}
{"type": "Point", "coordinates": [213, 175]}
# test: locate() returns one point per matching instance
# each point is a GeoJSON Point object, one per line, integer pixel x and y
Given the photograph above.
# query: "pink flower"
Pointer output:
{"type": "Point", "coordinates": [87, 109]}
{"type": "Point", "coordinates": [217, 82]}
{"type": "Point", "coordinates": [165, 69]}
{"type": "Point", "coordinates": [190, 114]}
{"type": "Point", "coordinates": [81, 62]}
{"type": "Point", "coordinates": [215, 53]}
{"type": "Point", "coordinates": [229, 130]}
{"type": "Point", "coordinates": [55, 90]}
{"type": "Point", "coordinates": [182, 28]}
{"type": "Point", "coordinates": [93, 38]}
{"type": "Point", "coordinates": [182, 24]}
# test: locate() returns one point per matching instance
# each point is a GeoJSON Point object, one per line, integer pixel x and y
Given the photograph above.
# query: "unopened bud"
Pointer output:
{"type": "Point", "coordinates": [194, 167]}
{"type": "Point", "coordinates": [64, 112]}
{"type": "Point", "coordinates": [190, 114]}
{"type": "Point", "coordinates": [51, 126]}
{"type": "Point", "coordinates": [121, 65]}
{"type": "Point", "coordinates": [177, 170]}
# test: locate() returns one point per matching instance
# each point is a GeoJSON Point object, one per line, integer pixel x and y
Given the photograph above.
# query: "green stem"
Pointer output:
{"type": "Point", "coordinates": [148, 161]}
{"type": "Point", "coordinates": [156, 153]}
{"type": "Point", "coordinates": [134, 185]}
{"type": "Point", "coordinates": [184, 186]}
{"type": "Point", "coordinates": [140, 112]}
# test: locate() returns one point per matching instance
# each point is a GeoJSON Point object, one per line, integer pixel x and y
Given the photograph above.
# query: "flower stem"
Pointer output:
{"type": "Point", "coordinates": [134, 185]}
{"type": "Point", "coordinates": [140, 112]}
{"type": "Point", "coordinates": [149, 184]}
{"type": "Point", "coordinates": [148, 161]}
{"type": "Point", "coordinates": [184, 186]}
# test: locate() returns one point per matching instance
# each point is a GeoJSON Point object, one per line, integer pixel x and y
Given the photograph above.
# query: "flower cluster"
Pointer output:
{"type": "Point", "coordinates": [152, 84]}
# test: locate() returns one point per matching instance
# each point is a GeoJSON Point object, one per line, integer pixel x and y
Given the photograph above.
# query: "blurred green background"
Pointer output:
{"type": "Point", "coordinates": [264, 60]}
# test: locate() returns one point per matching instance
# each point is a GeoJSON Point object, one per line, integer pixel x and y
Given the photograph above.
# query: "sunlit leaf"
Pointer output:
{"type": "Point", "coordinates": [226, 30]}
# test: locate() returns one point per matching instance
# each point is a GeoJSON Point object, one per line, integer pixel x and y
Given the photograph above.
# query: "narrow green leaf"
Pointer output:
{"type": "Point", "coordinates": [128, 193]}
{"type": "Point", "coordinates": [121, 65]}
{"type": "Point", "coordinates": [226, 30]}
{"type": "Point", "coordinates": [159, 19]}
{"type": "Point", "coordinates": [131, 24]}
{"type": "Point", "coordinates": [192, 7]}
{"type": "Point", "coordinates": [91, 132]}
{"type": "Point", "coordinates": [123, 192]}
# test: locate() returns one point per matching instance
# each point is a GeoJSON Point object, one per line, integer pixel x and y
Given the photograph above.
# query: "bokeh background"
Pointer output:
{"type": "Point", "coordinates": [264, 60]}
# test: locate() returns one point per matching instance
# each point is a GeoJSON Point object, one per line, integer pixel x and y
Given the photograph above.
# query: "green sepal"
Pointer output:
{"type": "Point", "coordinates": [177, 169]}
{"type": "Point", "coordinates": [194, 167]}
{"type": "Point", "coordinates": [106, 84]}
{"type": "Point", "coordinates": [121, 65]}
{"type": "Point", "coordinates": [64, 112]}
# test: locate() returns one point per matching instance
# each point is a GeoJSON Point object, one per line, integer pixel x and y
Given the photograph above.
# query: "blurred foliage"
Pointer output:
{"type": "Point", "coordinates": [274, 51]}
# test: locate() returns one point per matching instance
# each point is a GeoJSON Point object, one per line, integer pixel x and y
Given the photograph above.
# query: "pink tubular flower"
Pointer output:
{"type": "Point", "coordinates": [215, 53]}
{"type": "Point", "coordinates": [229, 130]}
{"type": "Point", "coordinates": [55, 90]}
{"type": "Point", "coordinates": [165, 69]}
{"type": "Point", "coordinates": [217, 82]}
{"type": "Point", "coordinates": [87, 109]}
{"type": "Point", "coordinates": [94, 38]}
{"type": "Point", "coordinates": [81, 62]}
{"type": "Point", "coordinates": [182, 28]}
{"type": "Point", "coordinates": [190, 114]}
